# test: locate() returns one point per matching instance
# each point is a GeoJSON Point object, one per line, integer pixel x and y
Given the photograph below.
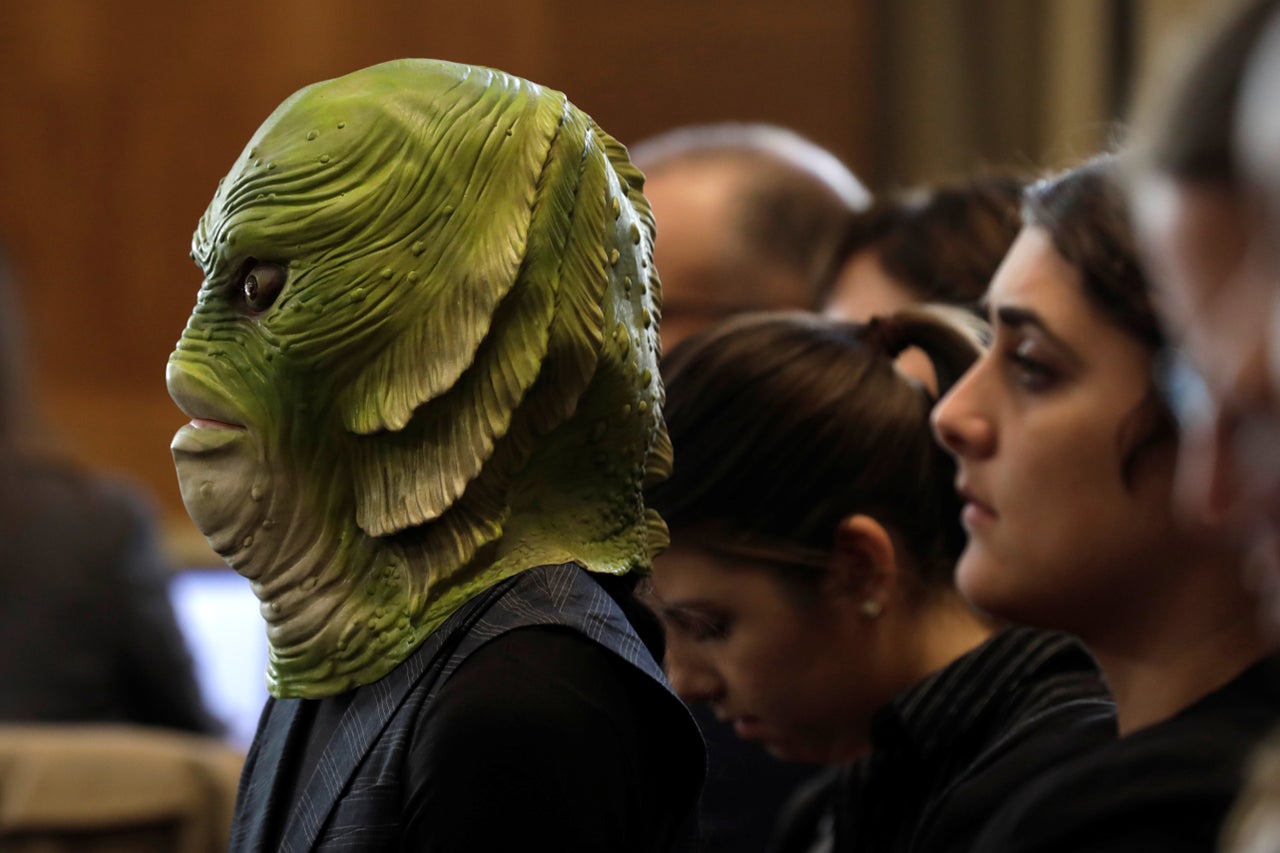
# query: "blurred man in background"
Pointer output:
{"type": "Point", "coordinates": [748, 217]}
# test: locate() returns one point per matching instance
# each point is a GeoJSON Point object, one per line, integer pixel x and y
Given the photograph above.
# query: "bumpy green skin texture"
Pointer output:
{"type": "Point", "coordinates": [458, 381]}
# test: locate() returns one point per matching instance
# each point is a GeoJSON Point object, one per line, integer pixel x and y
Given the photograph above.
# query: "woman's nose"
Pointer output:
{"type": "Point", "coordinates": [691, 678]}
{"type": "Point", "coordinates": [959, 426]}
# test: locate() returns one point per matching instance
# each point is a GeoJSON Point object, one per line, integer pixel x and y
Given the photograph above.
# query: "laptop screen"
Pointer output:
{"type": "Point", "coordinates": [218, 615]}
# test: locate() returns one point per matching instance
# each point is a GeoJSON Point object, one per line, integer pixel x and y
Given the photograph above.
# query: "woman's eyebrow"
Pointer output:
{"type": "Point", "coordinates": [688, 607]}
{"type": "Point", "coordinates": [1016, 317]}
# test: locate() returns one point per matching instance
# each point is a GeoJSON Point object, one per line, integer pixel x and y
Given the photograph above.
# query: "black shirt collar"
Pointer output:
{"type": "Point", "coordinates": [963, 696]}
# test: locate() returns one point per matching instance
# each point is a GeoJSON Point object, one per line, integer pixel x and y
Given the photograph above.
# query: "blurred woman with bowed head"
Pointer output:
{"type": "Point", "coordinates": [1066, 455]}
{"type": "Point", "coordinates": [807, 594]}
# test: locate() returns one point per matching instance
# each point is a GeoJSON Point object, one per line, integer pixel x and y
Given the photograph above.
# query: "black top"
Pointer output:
{"type": "Point", "coordinates": [87, 631]}
{"type": "Point", "coordinates": [541, 734]}
{"type": "Point", "coordinates": [595, 769]}
{"type": "Point", "coordinates": [946, 754]}
{"type": "Point", "coordinates": [746, 788]}
{"type": "Point", "coordinates": [1167, 787]}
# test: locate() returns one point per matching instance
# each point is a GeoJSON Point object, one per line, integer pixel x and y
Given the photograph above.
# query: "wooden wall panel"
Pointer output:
{"type": "Point", "coordinates": [119, 118]}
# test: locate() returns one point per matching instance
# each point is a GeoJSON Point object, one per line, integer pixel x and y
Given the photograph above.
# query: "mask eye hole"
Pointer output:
{"type": "Point", "coordinates": [261, 283]}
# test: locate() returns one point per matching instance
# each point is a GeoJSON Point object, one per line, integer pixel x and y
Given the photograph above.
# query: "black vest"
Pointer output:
{"type": "Point", "coordinates": [354, 788]}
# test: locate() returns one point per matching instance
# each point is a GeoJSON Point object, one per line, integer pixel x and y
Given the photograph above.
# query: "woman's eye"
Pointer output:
{"type": "Point", "coordinates": [699, 629]}
{"type": "Point", "coordinates": [703, 630]}
{"type": "Point", "coordinates": [261, 284]}
{"type": "Point", "coordinates": [1029, 370]}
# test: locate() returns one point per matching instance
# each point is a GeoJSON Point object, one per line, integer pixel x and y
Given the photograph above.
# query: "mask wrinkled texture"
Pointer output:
{"type": "Point", "coordinates": [428, 331]}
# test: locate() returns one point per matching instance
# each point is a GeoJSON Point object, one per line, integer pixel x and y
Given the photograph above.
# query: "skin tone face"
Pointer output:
{"type": "Point", "coordinates": [864, 290]}
{"type": "Point", "coordinates": [692, 206]}
{"type": "Point", "coordinates": [1057, 536]}
{"type": "Point", "coordinates": [1216, 302]}
{"type": "Point", "coordinates": [774, 665]}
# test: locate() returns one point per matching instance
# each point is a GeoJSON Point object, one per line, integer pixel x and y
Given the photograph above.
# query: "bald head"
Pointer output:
{"type": "Point", "coordinates": [748, 217]}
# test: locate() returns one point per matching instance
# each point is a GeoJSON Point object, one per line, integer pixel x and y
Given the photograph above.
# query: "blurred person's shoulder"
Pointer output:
{"type": "Point", "coordinates": [45, 486]}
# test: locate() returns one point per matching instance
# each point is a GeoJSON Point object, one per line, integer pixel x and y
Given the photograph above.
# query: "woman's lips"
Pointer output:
{"type": "Point", "coordinates": [975, 511]}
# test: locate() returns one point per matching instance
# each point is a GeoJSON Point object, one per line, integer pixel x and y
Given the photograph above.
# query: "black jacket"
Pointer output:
{"type": "Point", "coordinates": [534, 718]}
{"type": "Point", "coordinates": [87, 631]}
{"type": "Point", "coordinates": [948, 753]}
{"type": "Point", "coordinates": [1167, 787]}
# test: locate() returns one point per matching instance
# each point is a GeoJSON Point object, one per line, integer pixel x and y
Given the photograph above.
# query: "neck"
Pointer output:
{"type": "Point", "coordinates": [1153, 685]}
{"type": "Point", "coordinates": [947, 628]}
{"type": "Point", "coordinates": [1178, 650]}
{"type": "Point", "coordinates": [910, 641]}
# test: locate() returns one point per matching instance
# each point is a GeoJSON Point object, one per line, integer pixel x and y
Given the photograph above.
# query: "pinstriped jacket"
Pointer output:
{"type": "Point", "coordinates": [352, 800]}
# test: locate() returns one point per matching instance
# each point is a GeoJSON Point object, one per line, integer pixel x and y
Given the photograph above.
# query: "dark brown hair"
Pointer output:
{"type": "Point", "coordinates": [785, 423]}
{"type": "Point", "coordinates": [1086, 214]}
{"type": "Point", "coordinates": [943, 243]}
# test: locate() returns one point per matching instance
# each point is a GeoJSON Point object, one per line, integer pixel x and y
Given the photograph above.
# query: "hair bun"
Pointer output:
{"type": "Point", "coordinates": [886, 334]}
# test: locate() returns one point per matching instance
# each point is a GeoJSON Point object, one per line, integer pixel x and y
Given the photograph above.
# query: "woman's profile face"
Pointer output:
{"type": "Point", "coordinates": [777, 668]}
{"type": "Point", "coordinates": [1061, 535]}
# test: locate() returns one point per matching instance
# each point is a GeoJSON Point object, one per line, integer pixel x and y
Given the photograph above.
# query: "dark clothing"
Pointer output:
{"type": "Point", "coordinates": [87, 631]}
{"type": "Point", "coordinates": [746, 788]}
{"type": "Point", "coordinates": [949, 752]}
{"type": "Point", "coordinates": [1167, 787]}
{"type": "Point", "coordinates": [534, 717]}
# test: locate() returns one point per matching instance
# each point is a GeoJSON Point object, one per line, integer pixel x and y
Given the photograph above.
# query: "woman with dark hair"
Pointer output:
{"type": "Point", "coordinates": [807, 592]}
{"type": "Point", "coordinates": [1066, 456]}
{"type": "Point", "coordinates": [934, 244]}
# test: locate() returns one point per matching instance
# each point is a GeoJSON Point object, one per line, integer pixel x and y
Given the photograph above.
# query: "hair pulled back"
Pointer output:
{"type": "Point", "coordinates": [942, 243]}
{"type": "Point", "coordinates": [1086, 213]}
{"type": "Point", "coordinates": [783, 424]}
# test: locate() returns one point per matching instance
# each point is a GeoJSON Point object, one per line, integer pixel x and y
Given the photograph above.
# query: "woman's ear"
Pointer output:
{"type": "Point", "coordinates": [864, 564]}
{"type": "Point", "coordinates": [915, 364]}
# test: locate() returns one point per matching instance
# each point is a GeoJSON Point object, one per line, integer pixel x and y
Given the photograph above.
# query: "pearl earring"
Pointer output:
{"type": "Point", "coordinates": [871, 608]}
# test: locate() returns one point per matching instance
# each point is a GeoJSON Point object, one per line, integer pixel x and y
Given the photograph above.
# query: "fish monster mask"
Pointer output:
{"type": "Point", "coordinates": [422, 360]}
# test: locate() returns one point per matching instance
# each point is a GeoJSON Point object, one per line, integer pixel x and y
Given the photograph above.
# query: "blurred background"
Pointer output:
{"type": "Point", "coordinates": [119, 118]}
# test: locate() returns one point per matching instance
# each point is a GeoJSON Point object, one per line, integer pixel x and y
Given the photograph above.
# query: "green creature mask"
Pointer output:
{"type": "Point", "coordinates": [422, 360]}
